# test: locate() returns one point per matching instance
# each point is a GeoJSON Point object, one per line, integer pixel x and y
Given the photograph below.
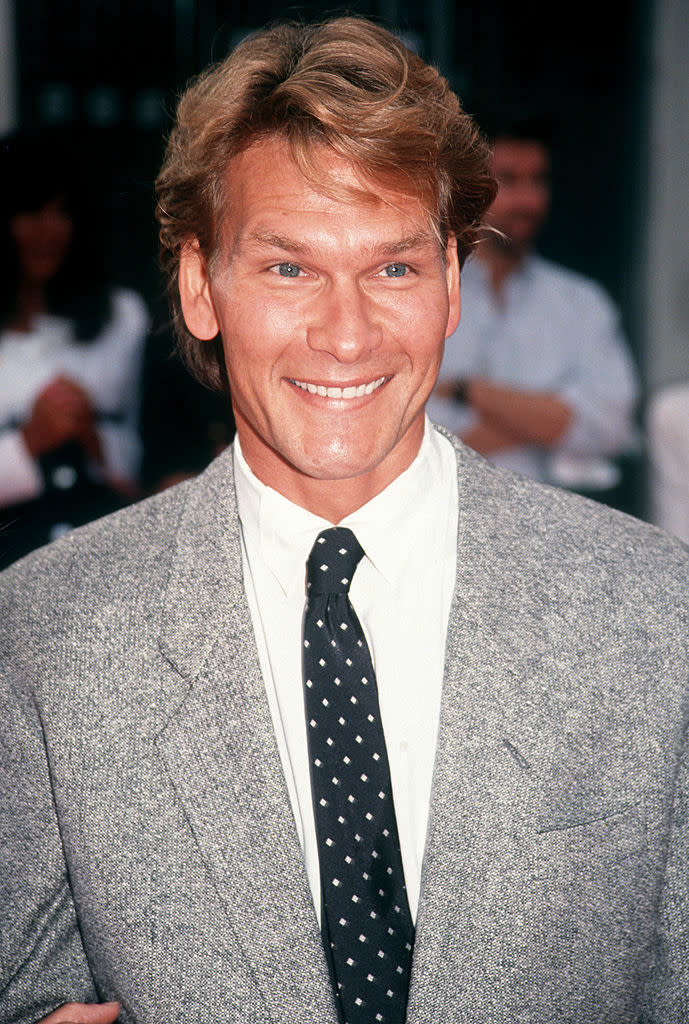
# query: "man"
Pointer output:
{"type": "Point", "coordinates": [538, 376]}
{"type": "Point", "coordinates": [194, 830]}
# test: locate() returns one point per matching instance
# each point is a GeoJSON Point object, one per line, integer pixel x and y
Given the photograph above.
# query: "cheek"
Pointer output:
{"type": "Point", "coordinates": [252, 363]}
{"type": "Point", "coordinates": [257, 326]}
{"type": "Point", "coordinates": [434, 358]}
{"type": "Point", "coordinates": [242, 365]}
{"type": "Point", "coordinates": [281, 323]}
{"type": "Point", "coordinates": [24, 238]}
{"type": "Point", "coordinates": [426, 334]}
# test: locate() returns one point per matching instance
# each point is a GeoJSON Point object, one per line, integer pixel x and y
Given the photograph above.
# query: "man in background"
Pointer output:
{"type": "Point", "coordinates": [537, 376]}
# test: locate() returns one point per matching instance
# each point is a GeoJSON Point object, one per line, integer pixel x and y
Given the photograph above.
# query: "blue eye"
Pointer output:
{"type": "Point", "coordinates": [396, 270]}
{"type": "Point", "coordinates": [288, 269]}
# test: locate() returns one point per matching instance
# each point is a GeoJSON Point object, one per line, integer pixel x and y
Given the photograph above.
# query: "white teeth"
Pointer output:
{"type": "Point", "coordinates": [352, 391]}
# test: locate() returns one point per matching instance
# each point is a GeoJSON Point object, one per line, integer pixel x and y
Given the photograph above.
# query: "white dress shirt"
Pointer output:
{"type": "Point", "coordinates": [401, 592]}
{"type": "Point", "coordinates": [554, 331]}
{"type": "Point", "coordinates": [108, 368]}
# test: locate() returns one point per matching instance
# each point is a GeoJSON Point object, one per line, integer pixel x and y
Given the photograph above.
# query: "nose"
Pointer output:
{"type": "Point", "coordinates": [345, 323]}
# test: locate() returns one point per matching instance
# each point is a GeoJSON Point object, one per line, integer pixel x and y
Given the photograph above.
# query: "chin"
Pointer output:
{"type": "Point", "coordinates": [337, 461]}
{"type": "Point", "coordinates": [336, 469]}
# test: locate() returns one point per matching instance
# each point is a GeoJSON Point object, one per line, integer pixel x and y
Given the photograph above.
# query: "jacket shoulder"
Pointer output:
{"type": "Point", "coordinates": [118, 562]}
{"type": "Point", "coordinates": [562, 541]}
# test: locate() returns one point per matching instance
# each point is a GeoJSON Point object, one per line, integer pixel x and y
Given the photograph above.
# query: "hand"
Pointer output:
{"type": "Point", "coordinates": [84, 1013]}
{"type": "Point", "coordinates": [62, 412]}
{"type": "Point", "coordinates": [488, 439]}
{"type": "Point", "coordinates": [529, 417]}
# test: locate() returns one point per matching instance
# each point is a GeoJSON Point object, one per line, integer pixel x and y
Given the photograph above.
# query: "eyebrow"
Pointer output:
{"type": "Point", "coordinates": [408, 243]}
{"type": "Point", "coordinates": [271, 240]}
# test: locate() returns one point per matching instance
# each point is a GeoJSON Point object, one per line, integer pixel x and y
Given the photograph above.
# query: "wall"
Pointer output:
{"type": "Point", "coordinates": [666, 287]}
{"type": "Point", "coordinates": [8, 113]}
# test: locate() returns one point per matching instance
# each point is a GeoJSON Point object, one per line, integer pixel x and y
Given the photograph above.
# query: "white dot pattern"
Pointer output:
{"type": "Point", "coordinates": [367, 926]}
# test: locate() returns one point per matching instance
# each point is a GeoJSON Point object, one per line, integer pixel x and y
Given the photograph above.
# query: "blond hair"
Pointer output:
{"type": "Point", "coordinates": [347, 84]}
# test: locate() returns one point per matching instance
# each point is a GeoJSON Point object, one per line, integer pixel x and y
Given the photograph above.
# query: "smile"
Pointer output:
{"type": "Point", "coordinates": [353, 391]}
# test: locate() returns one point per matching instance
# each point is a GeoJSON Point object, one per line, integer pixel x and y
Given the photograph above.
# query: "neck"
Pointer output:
{"type": "Point", "coordinates": [332, 498]}
{"type": "Point", "coordinates": [30, 304]}
{"type": "Point", "coordinates": [501, 259]}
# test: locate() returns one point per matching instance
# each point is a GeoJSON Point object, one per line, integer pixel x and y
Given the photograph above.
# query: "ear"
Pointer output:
{"type": "Point", "coordinates": [195, 292]}
{"type": "Point", "coordinates": [453, 291]}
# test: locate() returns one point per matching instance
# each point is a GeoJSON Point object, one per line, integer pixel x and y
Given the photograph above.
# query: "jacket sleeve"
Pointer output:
{"type": "Point", "coordinates": [42, 960]}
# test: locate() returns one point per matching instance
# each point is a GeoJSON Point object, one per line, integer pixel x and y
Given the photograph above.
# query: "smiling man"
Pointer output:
{"type": "Point", "coordinates": [356, 726]}
{"type": "Point", "coordinates": [332, 312]}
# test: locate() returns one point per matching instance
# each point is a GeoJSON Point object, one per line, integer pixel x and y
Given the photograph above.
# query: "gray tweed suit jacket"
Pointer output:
{"type": "Point", "coordinates": [149, 851]}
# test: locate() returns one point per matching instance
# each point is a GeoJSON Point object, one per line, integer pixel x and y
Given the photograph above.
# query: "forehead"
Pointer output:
{"type": "Point", "coordinates": [520, 156]}
{"type": "Point", "coordinates": [265, 183]}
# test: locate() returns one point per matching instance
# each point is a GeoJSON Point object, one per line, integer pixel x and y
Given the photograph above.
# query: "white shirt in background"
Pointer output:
{"type": "Point", "coordinates": [554, 331]}
{"type": "Point", "coordinates": [108, 368]}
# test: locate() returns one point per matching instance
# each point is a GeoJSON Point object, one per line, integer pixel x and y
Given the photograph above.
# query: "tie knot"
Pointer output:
{"type": "Point", "coordinates": [332, 561]}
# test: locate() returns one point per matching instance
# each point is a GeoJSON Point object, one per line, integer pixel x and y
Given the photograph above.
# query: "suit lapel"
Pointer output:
{"type": "Point", "coordinates": [220, 752]}
{"type": "Point", "coordinates": [482, 793]}
{"type": "Point", "coordinates": [477, 816]}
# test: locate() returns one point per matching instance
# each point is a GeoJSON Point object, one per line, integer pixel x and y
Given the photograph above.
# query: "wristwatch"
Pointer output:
{"type": "Point", "coordinates": [461, 391]}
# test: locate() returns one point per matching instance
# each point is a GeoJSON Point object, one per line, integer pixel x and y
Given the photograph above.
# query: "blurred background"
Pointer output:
{"type": "Point", "coordinates": [104, 75]}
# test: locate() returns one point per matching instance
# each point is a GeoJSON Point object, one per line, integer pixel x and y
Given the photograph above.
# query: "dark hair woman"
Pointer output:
{"type": "Point", "coordinates": [70, 353]}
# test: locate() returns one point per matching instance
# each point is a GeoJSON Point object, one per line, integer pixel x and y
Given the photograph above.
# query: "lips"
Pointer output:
{"type": "Point", "coordinates": [351, 391]}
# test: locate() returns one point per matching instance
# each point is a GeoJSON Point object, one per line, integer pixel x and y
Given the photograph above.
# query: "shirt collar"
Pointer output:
{"type": "Point", "coordinates": [283, 533]}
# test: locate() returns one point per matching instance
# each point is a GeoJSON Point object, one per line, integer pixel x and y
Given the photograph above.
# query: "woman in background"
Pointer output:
{"type": "Point", "coordinates": [70, 355]}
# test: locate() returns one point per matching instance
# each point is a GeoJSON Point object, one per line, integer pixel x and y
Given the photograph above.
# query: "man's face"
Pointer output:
{"type": "Point", "coordinates": [522, 169]}
{"type": "Point", "coordinates": [333, 315]}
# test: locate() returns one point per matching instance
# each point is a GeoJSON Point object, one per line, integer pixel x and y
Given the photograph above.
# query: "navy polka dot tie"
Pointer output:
{"type": "Point", "coordinates": [367, 927]}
